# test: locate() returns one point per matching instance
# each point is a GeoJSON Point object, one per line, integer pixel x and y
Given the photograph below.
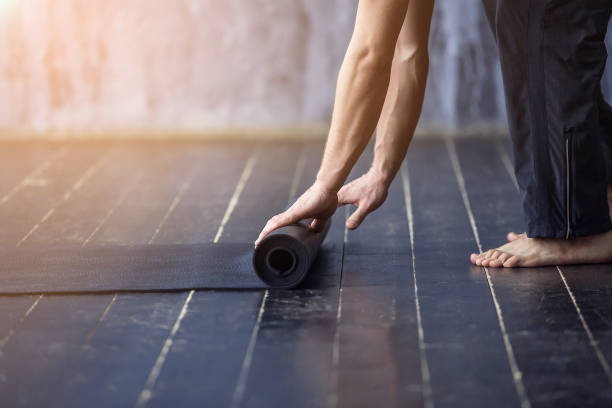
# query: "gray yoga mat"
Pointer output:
{"type": "Point", "coordinates": [44, 269]}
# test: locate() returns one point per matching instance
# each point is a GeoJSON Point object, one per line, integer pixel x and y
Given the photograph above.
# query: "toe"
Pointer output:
{"type": "Point", "coordinates": [512, 262]}
{"type": "Point", "coordinates": [486, 262]}
{"type": "Point", "coordinates": [495, 263]}
{"type": "Point", "coordinates": [513, 236]}
{"type": "Point", "coordinates": [474, 258]}
{"type": "Point", "coordinates": [503, 258]}
{"type": "Point", "coordinates": [498, 262]}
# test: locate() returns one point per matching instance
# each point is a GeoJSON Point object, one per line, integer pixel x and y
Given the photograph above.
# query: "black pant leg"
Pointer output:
{"type": "Point", "coordinates": [605, 132]}
{"type": "Point", "coordinates": [552, 54]}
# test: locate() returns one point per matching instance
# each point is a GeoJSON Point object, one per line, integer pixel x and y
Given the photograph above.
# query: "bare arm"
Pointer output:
{"type": "Point", "coordinates": [404, 100]}
{"type": "Point", "coordinates": [400, 114]}
{"type": "Point", "coordinates": [360, 94]}
{"type": "Point", "coordinates": [362, 85]}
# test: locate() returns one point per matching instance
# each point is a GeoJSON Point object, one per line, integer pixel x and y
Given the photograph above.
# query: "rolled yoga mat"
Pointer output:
{"type": "Point", "coordinates": [284, 257]}
{"type": "Point", "coordinates": [47, 269]}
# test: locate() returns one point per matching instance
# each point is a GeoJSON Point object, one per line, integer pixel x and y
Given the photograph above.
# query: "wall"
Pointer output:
{"type": "Point", "coordinates": [88, 66]}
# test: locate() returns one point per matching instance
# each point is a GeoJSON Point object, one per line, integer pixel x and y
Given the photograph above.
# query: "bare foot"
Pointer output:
{"type": "Point", "coordinates": [548, 251]}
{"type": "Point", "coordinates": [513, 236]}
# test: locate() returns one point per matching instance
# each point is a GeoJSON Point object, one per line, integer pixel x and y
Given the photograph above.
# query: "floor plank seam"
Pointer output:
{"type": "Point", "coordinates": [147, 392]}
{"type": "Point", "coordinates": [516, 372]}
{"type": "Point", "coordinates": [425, 374]}
{"type": "Point", "coordinates": [240, 388]}
{"type": "Point", "coordinates": [35, 173]}
{"type": "Point", "coordinates": [91, 170]}
{"type": "Point", "coordinates": [600, 356]}
{"type": "Point", "coordinates": [332, 399]}
{"type": "Point", "coordinates": [244, 177]}
{"type": "Point", "coordinates": [592, 341]}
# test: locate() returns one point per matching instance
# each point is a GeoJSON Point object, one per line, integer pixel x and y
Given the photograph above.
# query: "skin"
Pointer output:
{"type": "Point", "coordinates": [381, 81]}
{"type": "Point", "coordinates": [524, 251]}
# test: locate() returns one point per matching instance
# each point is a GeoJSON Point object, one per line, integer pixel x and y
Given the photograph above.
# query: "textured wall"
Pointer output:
{"type": "Point", "coordinates": [95, 65]}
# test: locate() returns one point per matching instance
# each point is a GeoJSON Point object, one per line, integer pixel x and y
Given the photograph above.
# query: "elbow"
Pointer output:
{"type": "Point", "coordinates": [371, 59]}
{"type": "Point", "coordinates": [415, 58]}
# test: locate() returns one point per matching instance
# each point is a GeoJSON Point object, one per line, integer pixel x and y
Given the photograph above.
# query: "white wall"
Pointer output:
{"type": "Point", "coordinates": [192, 65]}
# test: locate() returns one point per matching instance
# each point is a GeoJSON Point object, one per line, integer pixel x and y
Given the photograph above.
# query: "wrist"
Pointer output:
{"type": "Point", "coordinates": [381, 176]}
{"type": "Point", "coordinates": [325, 185]}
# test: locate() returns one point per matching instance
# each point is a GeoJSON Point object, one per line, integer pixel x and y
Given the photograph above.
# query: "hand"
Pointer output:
{"type": "Point", "coordinates": [368, 192]}
{"type": "Point", "coordinates": [317, 202]}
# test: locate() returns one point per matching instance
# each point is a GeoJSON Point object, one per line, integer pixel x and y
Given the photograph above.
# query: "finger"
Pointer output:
{"type": "Point", "coordinates": [318, 224]}
{"type": "Point", "coordinates": [272, 224]}
{"type": "Point", "coordinates": [357, 217]}
{"type": "Point", "coordinates": [291, 216]}
{"type": "Point", "coordinates": [264, 232]}
{"type": "Point", "coordinates": [345, 196]}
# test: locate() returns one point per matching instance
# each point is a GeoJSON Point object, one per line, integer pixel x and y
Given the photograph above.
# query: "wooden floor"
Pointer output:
{"type": "Point", "coordinates": [406, 320]}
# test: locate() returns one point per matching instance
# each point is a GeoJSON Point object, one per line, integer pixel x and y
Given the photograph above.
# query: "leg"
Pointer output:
{"type": "Point", "coordinates": [605, 122]}
{"type": "Point", "coordinates": [553, 56]}
{"type": "Point", "coordinates": [605, 126]}
{"type": "Point", "coordinates": [605, 131]}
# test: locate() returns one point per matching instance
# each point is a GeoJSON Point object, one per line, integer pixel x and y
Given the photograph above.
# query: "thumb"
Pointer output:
{"type": "Point", "coordinates": [356, 218]}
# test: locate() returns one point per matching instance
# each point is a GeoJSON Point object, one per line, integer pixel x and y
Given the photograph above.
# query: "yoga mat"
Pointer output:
{"type": "Point", "coordinates": [45, 269]}
{"type": "Point", "coordinates": [284, 257]}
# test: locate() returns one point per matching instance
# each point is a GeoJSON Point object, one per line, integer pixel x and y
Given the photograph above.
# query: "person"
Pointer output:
{"type": "Point", "coordinates": [552, 54]}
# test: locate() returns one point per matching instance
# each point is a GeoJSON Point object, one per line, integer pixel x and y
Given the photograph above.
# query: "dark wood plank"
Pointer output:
{"type": "Point", "coordinates": [217, 361]}
{"type": "Point", "coordinates": [111, 368]}
{"type": "Point", "coordinates": [12, 312]}
{"type": "Point", "coordinates": [75, 220]}
{"type": "Point", "coordinates": [59, 181]}
{"type": "Point", "coordinates": [137, 218]}
{"type": "Point", "coordinates": [204, 363]}
{"type": "Point", "coordinates": [291, 353]}
{"type": "Point", "coordinates": [197, 217]}
{"type": "Point", "coordinates": [591, 289]}
{"type": "Point", "coordinates": [24, 163]}
{"type": "Point", "coordinates": [378, 312]}
{"type": "Point", "coordinates": [464, 345]}
{"type": "Point", "coordinates": [135, 322]}
{"type": "Point", "coordinates": [537, 308]}
{"type": "Point", "coordinates": [23, 166]}
{"type": "Point", "coordinates": [265, 194]}
{"type": "Point", "coordinates": [35, 358]}
{"type": "Point", "coordinates": [92, 307]}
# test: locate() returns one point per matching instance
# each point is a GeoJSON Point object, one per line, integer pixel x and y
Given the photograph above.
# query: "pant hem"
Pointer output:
{"type": "Point", "coordinates": [542, 231]}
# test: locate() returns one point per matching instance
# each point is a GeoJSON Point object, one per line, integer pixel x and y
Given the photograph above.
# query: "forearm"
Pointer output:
{"type": "Point", "coordinates": [361, 87]}
{"type": "Point", "coordinates": [401, 111]}
{"type": "Point", "coordinates": [404, 99]}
